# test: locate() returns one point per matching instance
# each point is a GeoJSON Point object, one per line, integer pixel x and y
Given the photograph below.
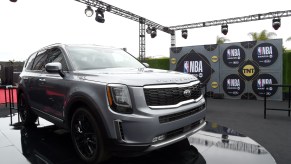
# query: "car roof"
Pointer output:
{"type": "Point", "coordinates": [78, 45]}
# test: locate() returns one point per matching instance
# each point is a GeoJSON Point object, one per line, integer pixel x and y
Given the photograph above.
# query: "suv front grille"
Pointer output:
{"type": "Point", "coordinates": [170, 96]}
{"type": "Point", "coordinates": [177, 116]}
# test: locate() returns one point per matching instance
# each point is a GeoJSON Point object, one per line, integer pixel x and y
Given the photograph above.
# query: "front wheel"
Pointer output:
{"type": "Point", "coordinates": [27, 116]}
{"type": "Point", "coordinates": [86, 136]}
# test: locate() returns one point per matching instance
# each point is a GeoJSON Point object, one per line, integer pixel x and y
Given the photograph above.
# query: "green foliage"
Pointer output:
{"type": "Point", "coordinates": [263, 35]}
{"type": "Point", "coordinates": [221, 40]}
{"type": "Point", "coordinates": [160, 63]}
{"type": "Point", "coordinates": [288, 39]}
{"type": "Point", "coordinates": [286, 68]}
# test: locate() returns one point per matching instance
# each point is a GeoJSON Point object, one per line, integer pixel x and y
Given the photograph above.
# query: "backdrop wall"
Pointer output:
{"type": "Point", "coordinates": [238, 70]}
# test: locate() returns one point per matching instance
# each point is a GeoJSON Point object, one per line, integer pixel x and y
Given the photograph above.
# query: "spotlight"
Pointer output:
{"type": "Point", "coordinates": [185, 34]}
{"type": "Point", "coordinates": [13, 0]}
{"type": "Point", "coordinates": [154, 32]}
{"type": "Point", "coordinates": [108, 8]}
{"type": "Point", "coordinates": [224, 28]}
{"type": "Point", "coordinates": [88, 11]}
{"type": "Point", "coordinates": [276, 23]}
{"type": "Point", "coordinates": [100, 15]}
{"type": "Point", "coordinates": [149, 30]}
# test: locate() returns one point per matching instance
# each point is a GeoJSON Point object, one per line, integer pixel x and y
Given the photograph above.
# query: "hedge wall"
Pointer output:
{"type": "Point", "coordinates": [286, 68]}
{"type": "Point", "coordinates": [160, 63]}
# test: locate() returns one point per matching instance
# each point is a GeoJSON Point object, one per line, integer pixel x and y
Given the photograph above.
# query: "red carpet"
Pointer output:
{"type": "Point", "coordinates": [2, 96]}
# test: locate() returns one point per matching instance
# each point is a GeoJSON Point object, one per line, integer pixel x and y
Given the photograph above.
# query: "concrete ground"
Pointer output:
{"type": "Point", "coordinates": [247, 117]}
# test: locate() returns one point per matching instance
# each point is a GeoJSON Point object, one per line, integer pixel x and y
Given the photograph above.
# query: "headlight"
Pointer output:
{"type": "Point", "coordinates": [119, 98]}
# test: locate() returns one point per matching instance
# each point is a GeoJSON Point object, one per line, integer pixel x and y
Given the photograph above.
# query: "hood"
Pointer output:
{"type": "Point", "coordinates": [136, 76]}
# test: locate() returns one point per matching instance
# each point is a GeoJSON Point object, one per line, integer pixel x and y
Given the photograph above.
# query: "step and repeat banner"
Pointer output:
{"type": "Point", "coordinates": [238, 70]}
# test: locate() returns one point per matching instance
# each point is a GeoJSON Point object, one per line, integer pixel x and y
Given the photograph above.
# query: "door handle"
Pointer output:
{"type": "Point", "coordinates": [42, 80]}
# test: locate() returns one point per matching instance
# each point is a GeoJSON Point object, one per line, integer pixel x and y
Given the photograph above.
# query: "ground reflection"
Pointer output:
{"type": "Point", "coordinates": [52, 145]}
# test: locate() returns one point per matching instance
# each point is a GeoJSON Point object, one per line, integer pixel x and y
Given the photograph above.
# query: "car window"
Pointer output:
{"type": "Point", "coordinates": [29, 61]}
{"type": "Point", "coordinates": [40, 61]}
{"type": "Point", "coordinates": [56, 55]}
{"type": "Point", "coordinates": [85, 58]}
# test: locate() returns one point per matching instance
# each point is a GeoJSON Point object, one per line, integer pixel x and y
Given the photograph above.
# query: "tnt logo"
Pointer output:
{"type": "Point", "coordinates": [248, 70]}
{"type": "Point", "coordinates": [186, 67]}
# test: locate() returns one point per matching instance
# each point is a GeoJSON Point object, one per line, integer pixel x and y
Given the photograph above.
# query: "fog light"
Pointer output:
{"type": "Point", "coordinates": [159, 138]}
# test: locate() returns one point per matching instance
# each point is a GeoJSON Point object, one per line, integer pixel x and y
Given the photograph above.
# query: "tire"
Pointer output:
{"type": "Point", "coordinates": [86, 136]}
{"type": "Point", "coordinates": [27, 116]}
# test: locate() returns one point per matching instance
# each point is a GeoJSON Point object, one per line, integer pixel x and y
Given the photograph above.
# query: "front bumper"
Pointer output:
{"type": "Point", "coordinates": [152, 128]}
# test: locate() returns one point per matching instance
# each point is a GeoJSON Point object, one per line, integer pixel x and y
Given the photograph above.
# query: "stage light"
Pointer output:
{"type": "Point", "coordinates": [108, 8]}
{"type": "Point", "coordinates": [276, 23]}
{"type": "Point", "coordinates": [153, 32]}
{"type": "Point", "coordinates": [149, 30]}
{"type": "Point", "coordinates": [185, 34]}
{"type": "Point", "coordinates": [224, 29]}
{"type": "Point", "coordinates": [88, 11]}
{"type": "Point", "coordinates": [100, 15]}
{"type": "Point", "coordinates": [13, 0]}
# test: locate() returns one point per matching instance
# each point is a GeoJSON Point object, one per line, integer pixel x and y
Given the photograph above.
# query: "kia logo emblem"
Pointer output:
{"type": "Point", "coordinates": [187, 93]}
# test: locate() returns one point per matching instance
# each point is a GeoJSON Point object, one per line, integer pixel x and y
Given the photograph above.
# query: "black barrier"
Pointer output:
{"type": "Point", "coordinates": [266, 89]}
{"type": "Point", "coordinates": [11, 101]}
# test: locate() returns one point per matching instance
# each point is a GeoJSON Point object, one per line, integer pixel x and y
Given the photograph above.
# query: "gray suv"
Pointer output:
{"type": "Point", "coordinates": [108, 100]}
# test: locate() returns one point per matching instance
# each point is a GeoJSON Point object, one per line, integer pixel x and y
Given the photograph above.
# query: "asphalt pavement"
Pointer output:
{"type": "Point", "coordinates": [247, 117]}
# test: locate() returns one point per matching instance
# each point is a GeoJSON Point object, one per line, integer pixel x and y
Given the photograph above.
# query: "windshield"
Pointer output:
{"type": "Point", "coordinates": [86, 58]}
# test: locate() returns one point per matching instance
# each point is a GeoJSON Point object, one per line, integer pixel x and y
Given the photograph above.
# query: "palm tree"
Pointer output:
{"type": "Point", "coordinates": [288, 39]}
{"type": "Point", "coordinates": [263, 35]}
{"type": "Point", "coordinates": [221, 40]}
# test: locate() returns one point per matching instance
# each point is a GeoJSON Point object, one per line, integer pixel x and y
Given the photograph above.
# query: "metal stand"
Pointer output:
{"type": "Point", "coordinates": [11, 101]}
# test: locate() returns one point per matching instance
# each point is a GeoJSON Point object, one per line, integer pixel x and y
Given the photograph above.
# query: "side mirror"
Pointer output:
{"type": "Point", "coordinates": [146, 65]}
{"type": "Point", "coordinates": [54, 67]}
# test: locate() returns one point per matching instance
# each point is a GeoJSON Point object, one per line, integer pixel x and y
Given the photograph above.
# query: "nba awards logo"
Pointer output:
{"type": "Point", "coordinates": [194, 67]}
{"type": "Point", "coordinates": [186, 67]}
{"type": "Point", "coordinates": [233, 56]}
{"type": "Point", "coordinates": [261, 82]}
{"type": "Point", "coordinates": [233, 53]}
{"type": "Point", "coordinates": [195, 64]}
{"type": "Point", "coordinates": [265, 52]}
{"type": "Point", "coordinates": [233, 84]}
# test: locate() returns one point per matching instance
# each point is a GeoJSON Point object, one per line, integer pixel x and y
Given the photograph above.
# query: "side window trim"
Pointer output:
{"type": "Point", "coordinates": [63, 57]}
{"type": "Point", "coordinates": [37, 57]}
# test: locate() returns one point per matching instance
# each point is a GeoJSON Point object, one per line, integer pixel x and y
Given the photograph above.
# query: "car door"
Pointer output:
{"type": "Point", "coordinates": [56, 87]}
{"type": "Point", "coordinates": [36, 81]}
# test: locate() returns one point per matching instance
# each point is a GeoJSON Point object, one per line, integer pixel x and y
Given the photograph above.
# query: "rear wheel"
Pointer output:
{"type": "Point", "coordinates": [86, 137]}
{"type": "Point", "coordinates": [27, 116]}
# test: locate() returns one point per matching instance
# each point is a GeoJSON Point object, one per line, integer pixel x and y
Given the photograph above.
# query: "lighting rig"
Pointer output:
{"type": "Point", "coordinates": [152, 27]}
{"type": "Point", "coordinates": [276, 22]}
{"type": "Point", "coordinates": [143, 22]}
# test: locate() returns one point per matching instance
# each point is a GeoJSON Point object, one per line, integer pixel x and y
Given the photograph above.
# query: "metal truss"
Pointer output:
{"type": "Point", "coordinates": [141, 39]}
{"type": "Point", "coordinates": [171, 30]}
{"type": "Point", "coordinates": [126, 14]}
{"type": "Point", "coordinates": [255, 17]}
